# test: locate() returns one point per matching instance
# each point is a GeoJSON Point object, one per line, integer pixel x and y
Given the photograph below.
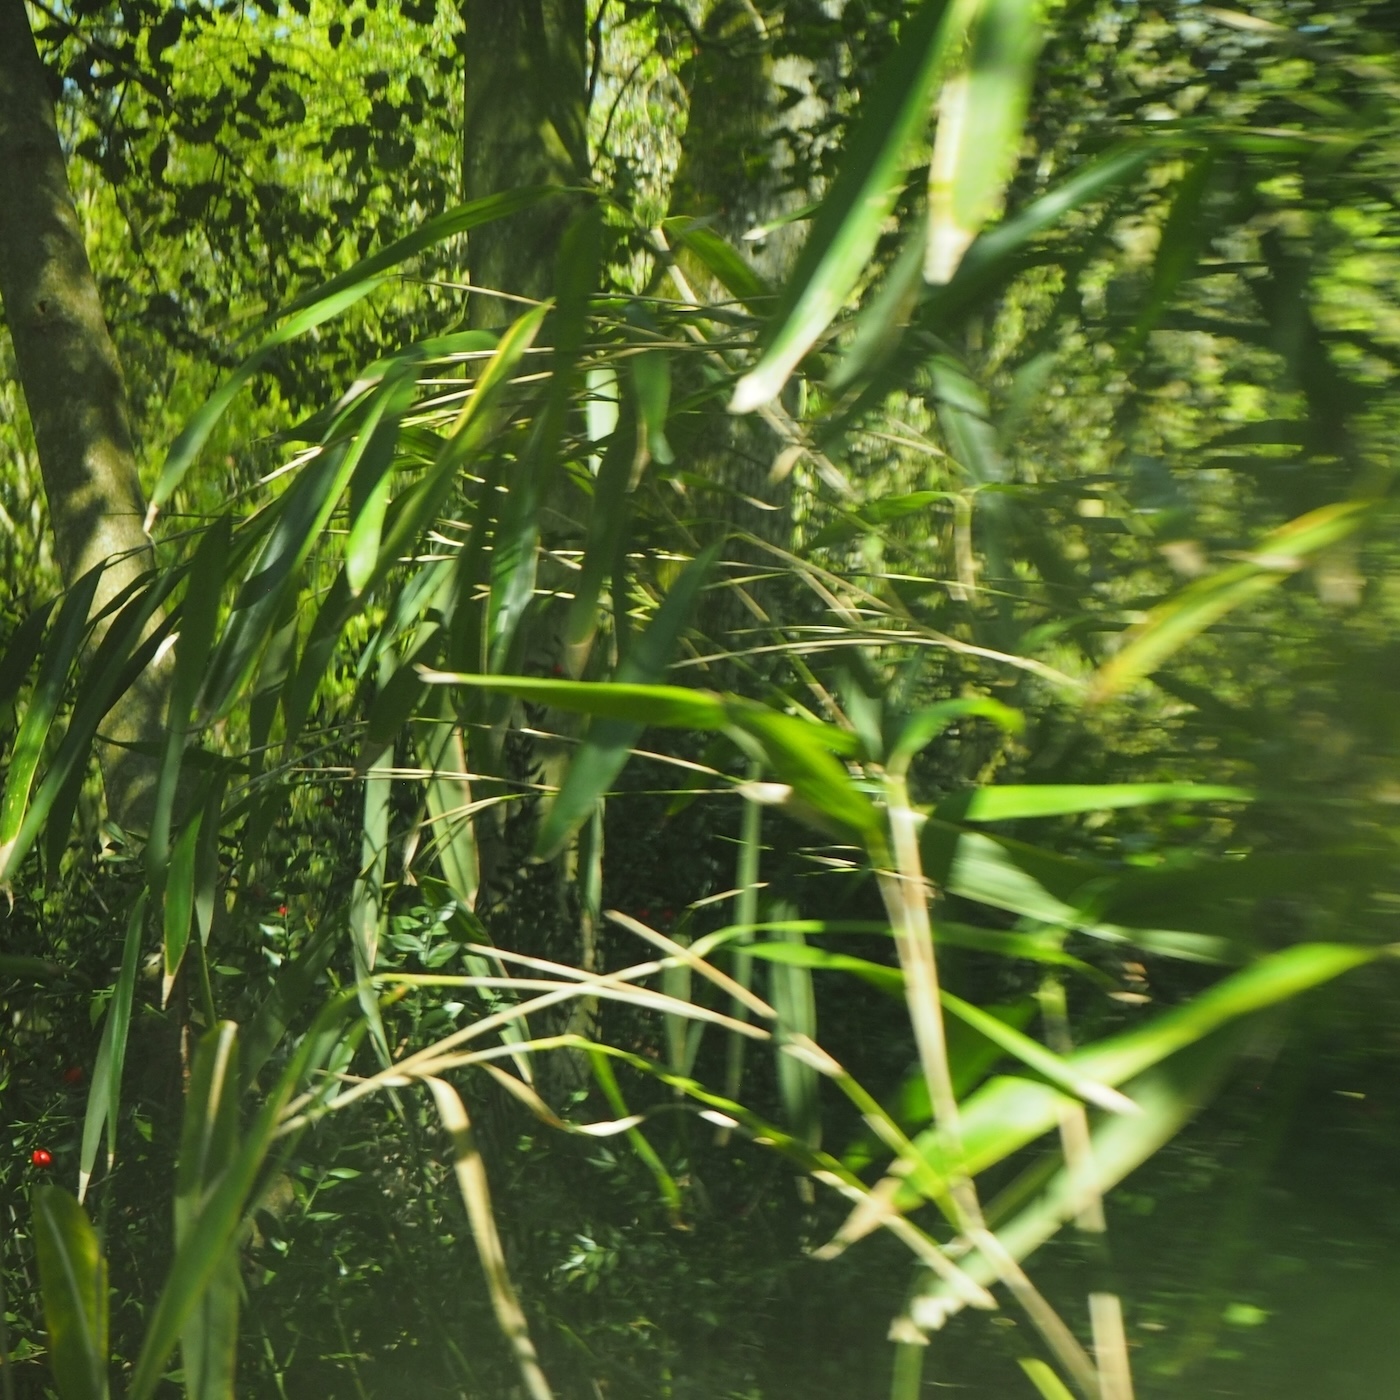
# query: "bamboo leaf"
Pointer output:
{"type": "Point", "coordinates": [200, 1256]}
{"type": "Point", "coordinates": [23, 648]}
{"type": "Point", "coordinates": [605, 749]}
{"type": "Point", "coordinates": [1055, 1068]}
{"type": "Point", "coordinates": [63, 642]}
{"type": "Point", "coordinates": [607, 520]}
{"type": "Point", "coordinates": [179, 901]}
{"type": "Point", "coordinates": [721, 259]}
{"type": "Point", "coordinates": [1014, 801]}
{"type": "Point", "coordinates": [1008, 1113]}
{"type": "Point", "coordinates": [921, 729]}
{"type": "Point", "coordinates": [799, 753]}
{"type": "Point", "coordinates": [515, 546]}
{"type": "Point", "coordinates": [1170, 625]}
{"type": "Point", "coordinates": [195, 433]}
{"type": "Point", "coordinates": [323, 303]}
{"type": "Point", "coordinates": [73, 1285]}
{"type": "Point", "coordinates": [104, 1089]}
{"type": "Point", "coordinates": [1050, 1386]}
{"type": "Point", "coordinates": [980, 116]}
{"type": "Point", "coordinates": [848, 224]}
{"type": "Point", "coordinates": [209, 1139]}
{"type": "Point", "coordinates": [662, 706]}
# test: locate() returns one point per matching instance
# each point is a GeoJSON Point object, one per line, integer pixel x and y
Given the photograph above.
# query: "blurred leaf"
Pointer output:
{"type": "Point", "coordinates": [73, 1285]}
{"type": "Point", "coordinates": [980, 116]}
{"type": "Point", "coordinates": [1014, 801]}
{"type": "Point", "coordinates": [665, 706]}
{"type": "Point", "coordinates": [104, 1092]}
{"type": "Point", "coordinates": [1044, 1379]}
{"type": "Point", "coordinates": [848, 224]}
{"type": "Point", "coordinates": [209, 1341]}
{"type": "Point", "coordinates": [921, 729]}
{"type": "Point", "coordinates": [721, 259]}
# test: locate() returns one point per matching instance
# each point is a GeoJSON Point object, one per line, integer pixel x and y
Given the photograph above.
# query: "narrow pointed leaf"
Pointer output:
{"type": "Point", "coordinates": [62, 645]}
{"type": "Point", "coordinates": [1172, 624]}
{"type": "Point", "coordinates": [850, 220]}
{"type": "Point", "coordinates": [104, 1089]}
{"type": "Point", "coordinates": [1014, 801]}
{"type": "Point", "coordinates": [980, 116]}
{"type": "Point", "coordinates": [73, 1285]}
{"type": "Point", "coordinates": [604, 751]}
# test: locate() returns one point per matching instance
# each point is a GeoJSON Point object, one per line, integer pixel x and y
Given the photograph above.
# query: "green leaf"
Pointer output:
{"type": "Point", "coordinates": [1031, 1053]}
{"type": "Point", "coordinates": [921, 729]}
{"type": "Point", "coordinates": [200, 1256]}
{"type": "Point", "coordinates": [451, 222]}
{"type": "Point", "coordinates": [73, 1285]}
{"type": "Point", "coordinates": [24, 647]}
{"type": "Point", "coordinates": [1050, 1386]}
{"type": "Point", "coordinates": [109, 674]}
{"type": "Point", "coordinates": [608, 743]}
{"type": "Point", "coordinates": [1012, 876]}
{"type": "Point", "coordinates": [179, 901]}
{"type": "Point", "coordinates": [63, 642]}
{"type": "Point", "coordinates": [850, 220]}
{"type": "Point", "coordinates": [651, 381]}
{"type": "Point", "coordinates": [662, 706]}
{"type": "Point", "coordinates": [1008, 1113]}
{"type": "Point", "coordinates": [1013, 801]}
{"type": "Point", "coordinates": [195, 433]}
{"type": "Point", "coordinates": [723, 261]}
{"type": "Point", "coordinates": [104, 1090]}
{"type": "Point", "coordinates": [323, 303]}
{"type": "Point", "coordinates": [799, 752]}
{"type": "Point", "coordinates": [980, 116]}
{"type": "Point", "coordinates": [208, 1141]}
{"type": "Point", "coordinates": [514, 557]}
{"type": "Point", "coordinates": [1170, 625]}
{"type": "Point", "coordinates": [1182, 236]}
{"type": "Point", "coordinates": [607, 523]}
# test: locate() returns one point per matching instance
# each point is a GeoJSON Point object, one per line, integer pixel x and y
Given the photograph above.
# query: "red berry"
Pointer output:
{"type": "Point", "coordinates": [41, 1157]}
{"type": "Point", "coordinates": [282, 910]}
{"type": "Point", "coordinates": [644, 914]}
{"type": "Point", "coordinates": [73, 1074]}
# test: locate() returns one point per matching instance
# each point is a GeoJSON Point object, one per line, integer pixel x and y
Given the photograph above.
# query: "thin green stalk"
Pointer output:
{"type": "Point", "coordinates": [745, 916]}
{"type": "Point", "coordinates": [905, 892]}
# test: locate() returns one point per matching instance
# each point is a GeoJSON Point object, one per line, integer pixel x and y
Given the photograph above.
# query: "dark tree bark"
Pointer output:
{"type": "Point", "coordinates": [70, 373]}
{"type": "Point", "coordinates": [526, 124]}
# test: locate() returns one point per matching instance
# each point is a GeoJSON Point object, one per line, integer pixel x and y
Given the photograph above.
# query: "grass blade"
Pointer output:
{"type": "Point", "coordinates": [476, 1195]}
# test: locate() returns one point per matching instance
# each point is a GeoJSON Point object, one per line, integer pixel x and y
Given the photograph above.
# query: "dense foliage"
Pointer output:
{"type": "Point", "coordinates": [850, 737]}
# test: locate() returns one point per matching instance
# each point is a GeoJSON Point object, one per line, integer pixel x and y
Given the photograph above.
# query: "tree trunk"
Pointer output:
{"type": "Point", "coordinates": [526, 124]}
{"type": "Point", "coordinates": [71, 377]}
